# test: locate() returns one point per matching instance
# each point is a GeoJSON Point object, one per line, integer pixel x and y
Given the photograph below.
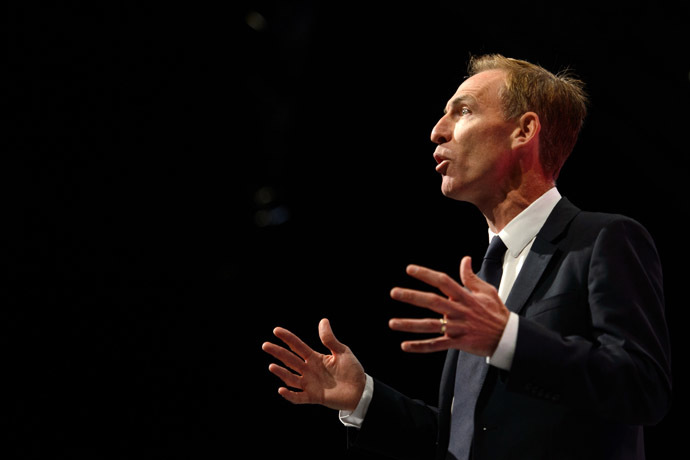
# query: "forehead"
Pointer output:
{"type": "Point", "coordinates": [484, 88]}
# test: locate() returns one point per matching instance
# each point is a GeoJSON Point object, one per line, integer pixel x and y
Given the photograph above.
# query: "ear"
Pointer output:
{"type": "Point", "coordinates": [527, 130]}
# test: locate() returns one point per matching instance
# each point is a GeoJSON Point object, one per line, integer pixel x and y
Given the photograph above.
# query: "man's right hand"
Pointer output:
{"type": "Point", "coordinates": [336, 380]}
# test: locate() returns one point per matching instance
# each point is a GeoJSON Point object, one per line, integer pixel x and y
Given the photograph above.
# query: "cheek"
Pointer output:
{"type": "Point", "coordinates": [481, 139]}
{"type": "Point", "coordinates": [471, 144]}
{"type": "Point", "coordinates": [474, 136]}
{"type": "Point", "coordinates": [463, 134]}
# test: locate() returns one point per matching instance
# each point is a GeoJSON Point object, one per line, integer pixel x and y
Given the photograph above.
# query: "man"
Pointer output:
{"type": "Point", "coordinates": [558, 348]}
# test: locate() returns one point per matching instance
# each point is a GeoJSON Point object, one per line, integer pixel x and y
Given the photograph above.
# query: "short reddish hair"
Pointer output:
{"type": "Point", "coordinates": [558, 99]}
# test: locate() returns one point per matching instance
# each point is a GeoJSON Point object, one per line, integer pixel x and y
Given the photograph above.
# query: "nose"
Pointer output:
{"type": "Point", "coordinates": [442, 132]}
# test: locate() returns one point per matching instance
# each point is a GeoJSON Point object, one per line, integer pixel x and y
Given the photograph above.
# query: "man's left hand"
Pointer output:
{"type": "Point", "coordinates": [474, 315]}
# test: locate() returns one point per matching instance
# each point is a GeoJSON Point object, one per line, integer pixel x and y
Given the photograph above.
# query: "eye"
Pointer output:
{"type": "Point", "coordinates": [464, 111]}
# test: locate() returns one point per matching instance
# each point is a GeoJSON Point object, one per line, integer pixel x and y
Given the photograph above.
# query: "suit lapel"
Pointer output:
{"type": "Point", "coordinates": [540, 254]}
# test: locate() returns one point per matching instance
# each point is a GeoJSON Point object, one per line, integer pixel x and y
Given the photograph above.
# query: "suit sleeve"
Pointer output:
{"type": "Point", "coordinates": [620, 369]}
{"type": "Point", "coordinates": [396, 426]}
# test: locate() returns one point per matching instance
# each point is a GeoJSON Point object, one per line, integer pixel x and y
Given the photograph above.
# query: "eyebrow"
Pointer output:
{"type": "Point", "coordinates": [460, 100]}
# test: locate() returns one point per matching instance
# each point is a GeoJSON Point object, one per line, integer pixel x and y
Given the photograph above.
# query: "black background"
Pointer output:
{"type": "Point", "coordinates": [180, 179]}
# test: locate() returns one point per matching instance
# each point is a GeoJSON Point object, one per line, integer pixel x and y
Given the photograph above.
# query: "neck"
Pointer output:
{"type": "Point", "coordinates": [511, 203]}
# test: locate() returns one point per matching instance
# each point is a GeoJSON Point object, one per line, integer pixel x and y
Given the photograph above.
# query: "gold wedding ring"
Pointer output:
{"type": "Point", "coordinates": [444, 321]}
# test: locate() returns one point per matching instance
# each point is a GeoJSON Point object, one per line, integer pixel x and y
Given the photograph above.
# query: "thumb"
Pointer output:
{"type": "Point", "coordinates": [328, 338]}
{"type": "Point", "coordinates": [469, 279]}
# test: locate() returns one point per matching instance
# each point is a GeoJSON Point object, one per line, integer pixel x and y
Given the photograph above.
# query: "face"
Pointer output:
{"type": "Point", "coordinates": [474, 141]}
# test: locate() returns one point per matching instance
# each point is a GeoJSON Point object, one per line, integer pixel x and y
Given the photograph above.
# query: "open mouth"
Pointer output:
{"type": "Point", "coordinates": [442, 165]}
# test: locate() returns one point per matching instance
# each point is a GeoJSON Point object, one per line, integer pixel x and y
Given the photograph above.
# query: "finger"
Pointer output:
{"type": "Point", "coordinates": [285, 375]}
{"type": "Point", "coordinates": [288, 358]}
{"type": "Point", "coordinates": [440, 343]}
{"type": "Point", "coordinates": [427, 300]}
{"type": "Point", "coordinates": [295, 343]}
{"type": "Point", "coordinates": [439, 280]}
{"type": "Point", "coordinates": [295, 397]}
{"type": "Point", "coordinates": [420, 326]}
{"type": "Point", "coordinates": [470, 279]}
{"type": "Point", "coordinates": [328, 338]}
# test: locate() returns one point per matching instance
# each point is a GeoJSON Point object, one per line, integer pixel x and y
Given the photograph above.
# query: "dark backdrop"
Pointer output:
{"type": "Point", "coordinates": [179, 179]}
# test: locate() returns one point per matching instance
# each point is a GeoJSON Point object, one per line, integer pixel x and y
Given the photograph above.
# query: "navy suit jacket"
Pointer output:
{"type": "Point", "coordinates": [591, 365]}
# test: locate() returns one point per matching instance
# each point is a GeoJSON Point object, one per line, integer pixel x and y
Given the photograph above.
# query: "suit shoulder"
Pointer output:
{"type": "Point", "coordinates": [600, 220]}
{"type": "Point", "coordinates": [605, 230]}
{"type": "Point", "coordinates": [568, 221]}
{"type": "Point", "coordinates": [587, 227]}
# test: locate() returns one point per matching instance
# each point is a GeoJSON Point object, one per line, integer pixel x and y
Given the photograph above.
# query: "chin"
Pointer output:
{"type": "Point", "coordinates": [449, 188]}
{"type": "Point", "coordinates": [453, 190]}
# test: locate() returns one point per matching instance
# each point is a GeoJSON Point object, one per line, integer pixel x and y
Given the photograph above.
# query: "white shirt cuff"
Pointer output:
{"type": "Point", "coordinates": [355, 418]}
{"type": "Point", "coordinates": [503, 356]}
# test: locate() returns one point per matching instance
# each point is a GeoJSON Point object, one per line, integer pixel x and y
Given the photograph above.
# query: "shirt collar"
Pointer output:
{"type": "Point", "coordinates": [525, 226]}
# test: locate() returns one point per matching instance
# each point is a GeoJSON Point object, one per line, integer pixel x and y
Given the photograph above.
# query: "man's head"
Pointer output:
{"type": "Point", "coordinates": [509, 120]}
{"type": "Point", "coordinates": [559, 100]}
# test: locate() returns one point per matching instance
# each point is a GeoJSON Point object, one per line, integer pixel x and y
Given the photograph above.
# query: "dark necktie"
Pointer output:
{"type": "Point", "coordinates": [471, 370]}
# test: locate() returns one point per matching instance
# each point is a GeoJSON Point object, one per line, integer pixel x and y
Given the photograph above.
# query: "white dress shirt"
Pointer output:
{"type": "Point", "coordinates": [518, 237]}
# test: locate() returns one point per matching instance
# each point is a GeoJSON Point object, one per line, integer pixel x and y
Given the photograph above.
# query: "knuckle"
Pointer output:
{"type": "Point", "coordinates": [437, 301]}
{"type": "Point", "coordinates": [445, 279]}
{"type": "Point", "coordinates": [458, 331]}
